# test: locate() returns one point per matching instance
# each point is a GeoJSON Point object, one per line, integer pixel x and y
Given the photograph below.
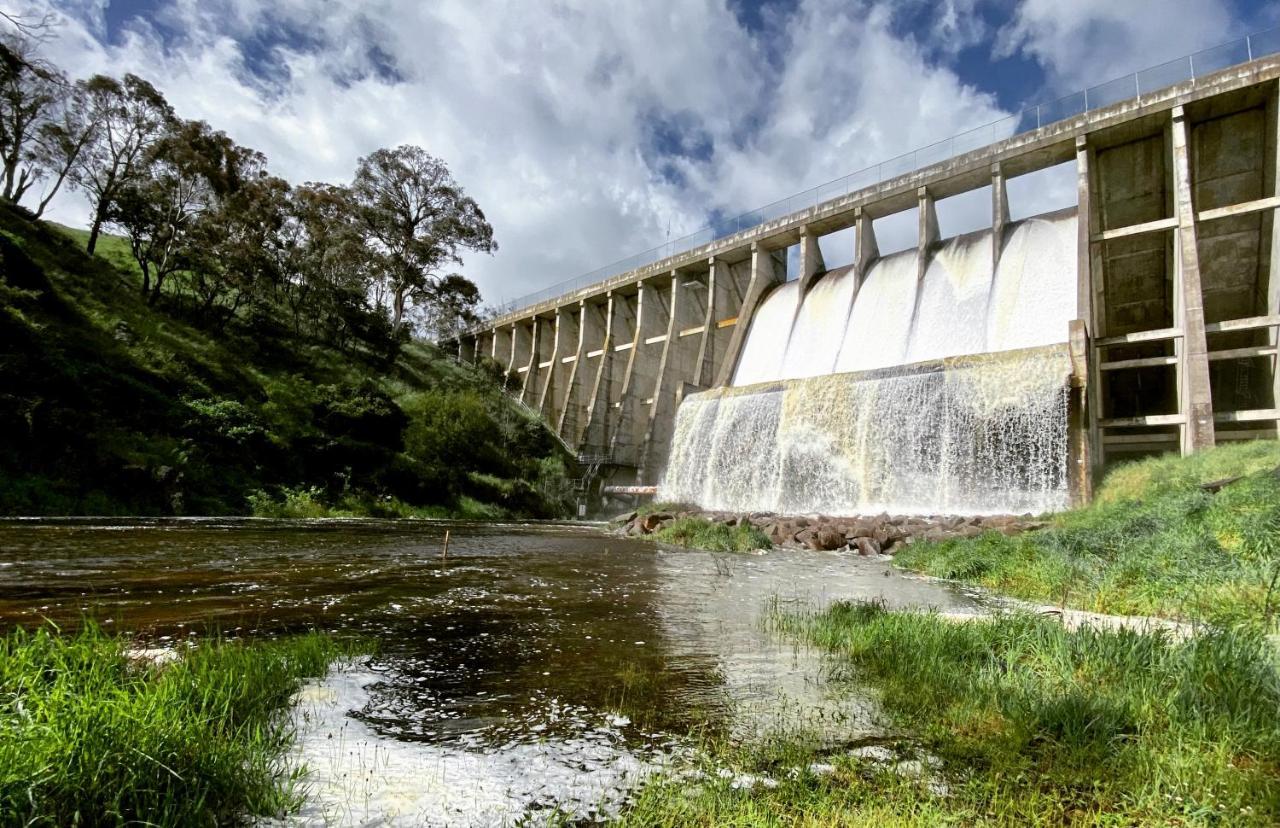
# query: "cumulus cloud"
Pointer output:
{"type": "Point", "coordinates": [589, 131]}
{"type": "Point", "coordinates": [1084, 42]}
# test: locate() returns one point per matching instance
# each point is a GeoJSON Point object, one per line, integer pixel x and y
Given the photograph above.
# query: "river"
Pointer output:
{"type": "Point", "coordinates": [533, 668]}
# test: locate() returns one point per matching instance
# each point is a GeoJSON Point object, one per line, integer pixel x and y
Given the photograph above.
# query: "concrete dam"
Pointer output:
{"type": "Point", "coordinates": [998, 370]}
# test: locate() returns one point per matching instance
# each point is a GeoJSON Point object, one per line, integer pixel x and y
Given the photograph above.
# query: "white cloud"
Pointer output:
{"type": "Point", "coordinates": [1085, 42]}
{"type": "Point", "coordinates": [564, 118]}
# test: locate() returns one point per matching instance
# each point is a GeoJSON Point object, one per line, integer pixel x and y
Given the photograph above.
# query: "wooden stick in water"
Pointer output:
{"type": "Point", "coordinates": [444, 553]}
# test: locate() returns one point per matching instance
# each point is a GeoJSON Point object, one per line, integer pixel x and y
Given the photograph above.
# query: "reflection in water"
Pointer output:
{"type": "Point", "coordinates": [538, 667]}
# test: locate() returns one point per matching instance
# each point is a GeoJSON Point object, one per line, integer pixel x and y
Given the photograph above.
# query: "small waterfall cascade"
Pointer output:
{"type": "Point", "coordinates": [966, 435]}
{"type": "Point", "coordinates": [945, 393]}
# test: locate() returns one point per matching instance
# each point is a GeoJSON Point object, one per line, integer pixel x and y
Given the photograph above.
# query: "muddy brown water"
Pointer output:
{"type": "Point", "coordinates": [536, 666]}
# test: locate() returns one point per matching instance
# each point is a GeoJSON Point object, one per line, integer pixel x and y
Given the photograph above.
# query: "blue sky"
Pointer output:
{"type": "Point", "coordinates": [588, 131]}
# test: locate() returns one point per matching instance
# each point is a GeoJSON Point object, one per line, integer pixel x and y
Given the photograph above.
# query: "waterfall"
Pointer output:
{"type": "Point", "coordinates": [965, 435]}
{"type": "Point", "coordinates": [766, 343]}
{"type": "Point", "coordinates": [945, 393]}
{"type": "Point", "coordinates": [820, 322]}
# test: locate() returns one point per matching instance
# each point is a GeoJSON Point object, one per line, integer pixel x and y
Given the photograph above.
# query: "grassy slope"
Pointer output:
{"type": "Point", "coordinates": [112, 407]}
{"type": "Point", "coordinates": [88, 738]}
{"type": "Point", "coordinates": [1153, 543]}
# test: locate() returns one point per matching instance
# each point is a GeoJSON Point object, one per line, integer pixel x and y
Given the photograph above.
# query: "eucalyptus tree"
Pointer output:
{"type": "Point", "coordinates": [160, 203]}
{"type": "Point", "coordinates": [328, 274]}
{"type": "Point", "coordinates": [131, 117]}
{"type": "Point", "coordinates": [416, 220]}
{"type": "Point", "coordinates": [43, 126]}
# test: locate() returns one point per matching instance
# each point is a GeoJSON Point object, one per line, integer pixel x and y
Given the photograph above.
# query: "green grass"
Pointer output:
{"type": "Point", "coordinates": [699, 533]}
{"type": "Point", "coordinates": [1023, 722]}
{"type": "Point", "coordinates": [88, 737]}
{"type": "Point", "coordinates": [1153, 543]}
{"type": "Point", "coordinates": [121, 407]}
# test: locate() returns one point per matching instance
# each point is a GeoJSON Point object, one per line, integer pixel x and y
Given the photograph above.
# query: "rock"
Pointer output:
{"type": "Point", "coordinates": [867, 546]}
{"type": "Point", "coordinates": [651, 523]}
{"type": "Point", "coordinates": [893, 548]}
{"type": "Point", "coordinates": [827, 538]}
{"type": "Point", "coordinates": [803, 537]}
{"type": "Point", "coordinates": [624, 519]}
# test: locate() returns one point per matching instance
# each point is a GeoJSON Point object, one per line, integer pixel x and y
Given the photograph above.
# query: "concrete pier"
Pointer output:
{"type": "Point", "coordinates": [1178, 294]}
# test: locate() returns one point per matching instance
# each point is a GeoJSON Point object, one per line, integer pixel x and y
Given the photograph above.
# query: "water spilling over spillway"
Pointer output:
{"type": "Point", "coordinates": [946, 394]}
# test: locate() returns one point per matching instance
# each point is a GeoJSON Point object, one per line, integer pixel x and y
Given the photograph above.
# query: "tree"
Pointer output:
{"type": "Point", "coordinates": [33, 113]}
{"type": "Point", "coordinates": [450, 307]}
{"type": "Point", "coordinates": [131, 117]}
{"type": "Point", "coordinates": [60, 142]}
{"type": "Point", "coordinates": [327, 272]}
{"type": "Point", "coordinates": [415, 219]}
{"type": "Point", "coordinates": [160, 202]}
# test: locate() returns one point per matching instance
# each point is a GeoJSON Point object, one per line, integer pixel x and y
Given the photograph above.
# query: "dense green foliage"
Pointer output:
{"type": "Point", "coordinates": [700, 533]}
{"type": "Point", "coordinates": [1155, 542]}
{"type": "Point", "coordinates": [113, 405]}
{"type": "Point", "coordinates": [1016, 721]}
{"type": "Point", "coordinates": [89, 737]}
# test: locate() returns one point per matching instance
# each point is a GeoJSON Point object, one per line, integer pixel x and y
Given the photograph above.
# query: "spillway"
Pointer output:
{"type": "Point", "coordinates": [906, 395]}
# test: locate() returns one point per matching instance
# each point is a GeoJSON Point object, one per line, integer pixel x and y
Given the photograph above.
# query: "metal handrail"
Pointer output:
{"type": "Point", "coordinates": [1125, 87]}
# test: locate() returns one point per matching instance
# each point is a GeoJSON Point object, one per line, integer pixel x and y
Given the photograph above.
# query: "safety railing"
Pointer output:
{"type": "Point", "coordinates": [1128, 87]}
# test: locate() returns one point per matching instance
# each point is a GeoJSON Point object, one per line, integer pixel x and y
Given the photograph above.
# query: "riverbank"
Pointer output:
{"type": "Point", "coordinates": [93, 733]}
{"type": "Point", "coordinates": [1009, 721]}
{"type": "Point", "coordinates": [1191, 538]}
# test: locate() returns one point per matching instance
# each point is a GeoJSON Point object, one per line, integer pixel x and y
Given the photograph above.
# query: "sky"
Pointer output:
{"type": "Point", "coordinates": [588, 130]}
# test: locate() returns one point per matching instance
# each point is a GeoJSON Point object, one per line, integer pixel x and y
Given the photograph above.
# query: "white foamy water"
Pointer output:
{"type": "Point", "coordinates": [880, 323]}
{"type": "Point", "coordinates": [971, 436]}
{"type": "Point", "coordinates": [962, 308]}
{"type": "Point", "coordinates": [819, 328]}
{"type": "Point", "coordinates": [766, 344]}
{"type": "Point", "coordinates": [952, 312]}
{"type": "Point", "coordinates": [356, 777]}
{"type": "Point", "coordinates": [945, 394]}
{"type": "Point", "coordinates": [1033, 296]}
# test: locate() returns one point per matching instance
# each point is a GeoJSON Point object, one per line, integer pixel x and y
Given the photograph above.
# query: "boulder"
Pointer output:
{"type": "Point", "coordinates": [651, 523]}
{"type": "Point", "coordinates": [804, 536]}
{"type": "Point", "coordinates": [867, 546]}
{"type": "Point", "coordinates": [827, 538]}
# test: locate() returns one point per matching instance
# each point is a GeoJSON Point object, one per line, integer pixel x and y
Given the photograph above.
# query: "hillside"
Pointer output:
{"type": "Point", "coordinates": [109, 405]}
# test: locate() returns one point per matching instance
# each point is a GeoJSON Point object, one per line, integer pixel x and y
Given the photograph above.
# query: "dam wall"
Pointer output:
{"type": "Point", "coordinates": [1146, 318]}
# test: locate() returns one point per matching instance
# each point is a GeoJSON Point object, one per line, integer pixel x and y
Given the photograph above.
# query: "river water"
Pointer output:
{"type": "Point", "coordinates": [534, 669]}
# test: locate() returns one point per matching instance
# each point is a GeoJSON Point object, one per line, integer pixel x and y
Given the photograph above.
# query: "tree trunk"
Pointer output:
{"type": "Point", "coordinates": [397, 310]}
{"type": "Point", "coordinates": [95, 229]}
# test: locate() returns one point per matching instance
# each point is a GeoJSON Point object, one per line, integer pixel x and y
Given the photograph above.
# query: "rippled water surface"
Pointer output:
{"type": "Point", "coordinates": [532, 668]}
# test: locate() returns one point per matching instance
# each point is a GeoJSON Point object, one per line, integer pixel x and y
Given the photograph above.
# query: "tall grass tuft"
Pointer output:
{"type": "Point", "coordinates": [90, 737]}
{"type": "Point", "coordinates": [1155, 542]}
{"type": "Point", "coordinates": [699, 533]}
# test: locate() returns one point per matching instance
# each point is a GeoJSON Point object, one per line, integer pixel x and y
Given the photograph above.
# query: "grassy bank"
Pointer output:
{"type": "Point", "coordinates": [1015, 722]}
{"type": "Point", "coordinates": [1155, 542]}
{"type": "Point", "coordinates": [700, 533]}
{"type": "Point", "coordinates": [88, 737]}
{"type": "Point", "coordinates": [118, 406]}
